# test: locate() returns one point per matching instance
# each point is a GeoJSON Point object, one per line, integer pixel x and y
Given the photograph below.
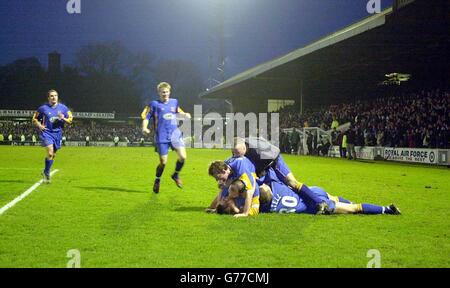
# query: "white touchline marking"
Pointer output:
{"type": "Point", "coordinates": [24, 194]}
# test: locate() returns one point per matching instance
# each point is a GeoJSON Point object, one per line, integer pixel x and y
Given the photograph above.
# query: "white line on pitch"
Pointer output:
{"type": "Point", "coordinates": [24, 194]}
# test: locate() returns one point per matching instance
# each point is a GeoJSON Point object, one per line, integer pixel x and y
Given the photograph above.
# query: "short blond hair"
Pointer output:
{"type": "Point", "coordinates": [163, 85]}
{"type": "Point", "coordinates": [50, 91]}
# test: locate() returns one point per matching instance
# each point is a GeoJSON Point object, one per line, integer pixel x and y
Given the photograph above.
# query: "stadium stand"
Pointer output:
{"type": "Point", "coordinates": [416, 120]}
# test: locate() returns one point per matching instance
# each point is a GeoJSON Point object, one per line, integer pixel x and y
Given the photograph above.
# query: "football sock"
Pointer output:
{"type": "Point", "coordinates": [48, 166]}
{"type": "Point", "coordinates": [178, 167]}
{"type": "Point", "coordinates": [371, 209]}
{"type": "Point", "coordinates": [343, 200]}
{"type": "Point", "coordinates": [307, 195]}
{"type": "Point", "coordinates": [159, 170]}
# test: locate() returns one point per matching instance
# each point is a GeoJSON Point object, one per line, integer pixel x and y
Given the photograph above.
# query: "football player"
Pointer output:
{"type": "Point", "coordinates": [163, 112]}
{"type": "Point", "coordinates": [50, 119]}
{"type": "Point", "coordinates": [279, 198]}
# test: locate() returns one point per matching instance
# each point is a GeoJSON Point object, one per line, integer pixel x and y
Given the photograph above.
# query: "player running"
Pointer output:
{"type": "Point", "coordinates": [163, 112]}
{"type": "Point", "coordinates": [50, 120]}
{"type": "Point", "coordinates": [266, 156]}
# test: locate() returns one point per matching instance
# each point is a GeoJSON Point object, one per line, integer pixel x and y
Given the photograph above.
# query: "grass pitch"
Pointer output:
{"type": "Point", "coordinates": [100, 203]}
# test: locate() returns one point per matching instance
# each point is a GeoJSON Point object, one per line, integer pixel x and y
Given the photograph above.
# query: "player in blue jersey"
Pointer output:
{"type": "Point", "coordinates": [279, 198]}
{"type": "Point", "coordinates": [229, 174]}
{"type": "Point", "coordinates": [50, 120]}
{"type": "Point", "coordinates": [163, 114]}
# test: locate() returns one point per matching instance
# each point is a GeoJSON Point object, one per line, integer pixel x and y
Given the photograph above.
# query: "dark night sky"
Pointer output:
{"type": "Point", "coordinates": [255, 30]}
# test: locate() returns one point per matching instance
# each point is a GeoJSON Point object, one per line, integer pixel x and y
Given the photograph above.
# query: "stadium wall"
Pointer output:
{"type": "Point", "coordinates": [410, 155]}
{"type": "Point", "coordinates": [95, 144]}
{"type": "Point", "coordinates": [80, 144]}
{"type": "Point", "coordinates": [30, 113]}
{"type": "Point", "coordinates": [440, 157]}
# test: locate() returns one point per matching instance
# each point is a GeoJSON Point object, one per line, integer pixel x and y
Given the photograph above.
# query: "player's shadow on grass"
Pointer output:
{"type": "Point", "coordinates": [13, 181]}
{"type": "Point", "coordinates": [366, 161]}
{"type": "Point", "coordinates": [190, 209]}
{"type": "Point", "coordinates": [111, 189]}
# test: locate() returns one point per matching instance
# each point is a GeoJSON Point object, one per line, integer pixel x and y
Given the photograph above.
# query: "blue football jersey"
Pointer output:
{"type": "Point", "coordinates": [243, 169]}
{"type": "Point", "coordinates": [285, 200]}
{"type": "Point", "coordinates": [48, 116]}
{"type": "Point", "coordinates": [164, 120]}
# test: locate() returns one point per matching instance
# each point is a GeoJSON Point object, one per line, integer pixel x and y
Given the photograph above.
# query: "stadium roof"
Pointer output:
{"type": "Point", "coordinates": [407, 40]}
{"type": "Point", "coordinates": [350, 31]}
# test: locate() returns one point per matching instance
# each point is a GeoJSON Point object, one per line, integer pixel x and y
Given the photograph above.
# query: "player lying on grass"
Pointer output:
{"type": "Point", "coordinates": [265, 156]}
{"type": "Point", "coordinates": [279, 198]}
{"type": "Point", "coordinates": [234, 169]}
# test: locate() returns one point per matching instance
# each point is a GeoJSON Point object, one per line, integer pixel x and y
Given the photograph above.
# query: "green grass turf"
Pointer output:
{"type": "Point", "coordinates": [100, 202]}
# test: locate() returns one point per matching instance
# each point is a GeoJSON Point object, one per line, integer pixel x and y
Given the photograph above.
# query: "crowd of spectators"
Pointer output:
{"type": "Point", "coordinates": [415, 120]}
{"type": "Point", "coordinates": [78, 131]}
{"type": "Point", "coordinates": [99, 131]}
{"type": "Point", "coordinates": [14, 130]}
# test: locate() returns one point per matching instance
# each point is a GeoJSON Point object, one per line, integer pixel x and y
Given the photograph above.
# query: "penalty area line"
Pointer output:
{"type": "Point", "coordinates": [24, 194]}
